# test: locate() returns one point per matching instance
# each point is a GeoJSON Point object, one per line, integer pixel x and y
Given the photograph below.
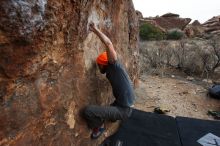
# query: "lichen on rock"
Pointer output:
{"type": "Point", "coordinates": [23, 17]}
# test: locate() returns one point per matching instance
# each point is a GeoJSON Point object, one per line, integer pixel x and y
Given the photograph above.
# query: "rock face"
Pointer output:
{"type": "Point", "coordinates": [47, 69]}
{"type": "Point", "coordinates": [170, 21]}
{"type": "Point", "coordinates": [212, 26]}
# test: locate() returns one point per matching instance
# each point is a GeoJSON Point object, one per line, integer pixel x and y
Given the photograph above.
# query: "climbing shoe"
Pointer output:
{"type": "Point", "coordinates": [96, 132]}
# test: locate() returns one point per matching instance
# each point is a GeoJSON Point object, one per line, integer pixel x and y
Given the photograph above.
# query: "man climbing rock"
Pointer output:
{"type": "Point", "coordinates": [122, 89]}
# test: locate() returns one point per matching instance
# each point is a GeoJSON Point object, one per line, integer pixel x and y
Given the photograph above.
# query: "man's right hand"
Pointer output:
{"type": "Point", "coordinates": [92, 26]}
{"type": "Point", "coordinates": [112, 55]}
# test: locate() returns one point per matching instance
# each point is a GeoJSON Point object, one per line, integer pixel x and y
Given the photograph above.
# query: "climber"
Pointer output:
{"type": "Point", "coordinates": [122, 89]}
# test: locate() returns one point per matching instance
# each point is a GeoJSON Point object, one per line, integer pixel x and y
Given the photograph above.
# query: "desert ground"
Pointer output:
{"type": "Point", "coordinates": [181, 95]}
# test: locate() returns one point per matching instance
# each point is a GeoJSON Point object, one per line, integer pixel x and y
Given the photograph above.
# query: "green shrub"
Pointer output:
{"type": "Point", "coordinates": [175, 34]}
{"type": "Point", "coordinates": [150, 32]}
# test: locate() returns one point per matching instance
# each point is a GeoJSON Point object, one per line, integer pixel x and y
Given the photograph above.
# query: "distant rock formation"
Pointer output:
{"type": "Point", "coordinates": [171, 15]}
{"type": "Point", "coordinates": [196, 23]}
{"type": "Point", "coordinates": [169, 21]}
{"type": "Point", "coordinates": [195, 29]}
{"type": "Point", "coordinates": [152, 22]}
{"type": "Point", "coordinates": [212, 26]}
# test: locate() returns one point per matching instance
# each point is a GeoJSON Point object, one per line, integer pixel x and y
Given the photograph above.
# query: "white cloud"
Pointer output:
{"type": "Point", "coordinates": [201, 10]}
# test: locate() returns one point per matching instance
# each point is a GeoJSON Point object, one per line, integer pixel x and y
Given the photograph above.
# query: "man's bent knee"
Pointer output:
{"type": "Point", "coordinates": [88, 111]}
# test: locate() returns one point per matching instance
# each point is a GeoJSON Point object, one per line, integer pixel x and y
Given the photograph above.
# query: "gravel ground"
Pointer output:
{"type": "Point", "coordinates": [179, 95]}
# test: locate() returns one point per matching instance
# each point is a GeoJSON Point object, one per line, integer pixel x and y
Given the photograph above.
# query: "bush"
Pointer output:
{"type": "Point", "coordinates": [175, 34]}
{"type": "Point", "coordinates": [150, 32]}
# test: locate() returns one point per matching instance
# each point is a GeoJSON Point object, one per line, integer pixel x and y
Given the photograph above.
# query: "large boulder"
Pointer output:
{"type": "Point", "coordinates": [47, 66]}
{"type": "Point", "coordinates": [169, 15]}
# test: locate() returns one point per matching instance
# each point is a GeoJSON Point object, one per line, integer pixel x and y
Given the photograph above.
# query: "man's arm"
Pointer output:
{"type": "Point", "coordinates": [111, 53]}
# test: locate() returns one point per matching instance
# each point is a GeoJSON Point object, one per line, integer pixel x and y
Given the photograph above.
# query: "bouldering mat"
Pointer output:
{"type": "Point", "coordinates": [196, 132]}
{"type": "Point", "coordinates": [145, 129]}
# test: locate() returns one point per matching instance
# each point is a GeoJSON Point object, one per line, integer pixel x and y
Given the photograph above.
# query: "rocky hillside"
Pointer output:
{"type": "Point", "coordinates": [199, 57]}
{"type": "Point", "coordinates": [47, 69]}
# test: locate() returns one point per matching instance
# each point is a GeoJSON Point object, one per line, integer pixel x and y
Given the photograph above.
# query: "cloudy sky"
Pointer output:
{"type": "Point", "coordinates": [201, 10]}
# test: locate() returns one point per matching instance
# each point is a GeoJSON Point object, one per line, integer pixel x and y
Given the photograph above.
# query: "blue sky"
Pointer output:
{"type": "Point", "coordinates": [201, 10]}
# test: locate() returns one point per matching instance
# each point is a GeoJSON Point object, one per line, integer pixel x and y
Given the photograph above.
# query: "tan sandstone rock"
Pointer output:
{"type": "Point", "coordinates": [47, 67]}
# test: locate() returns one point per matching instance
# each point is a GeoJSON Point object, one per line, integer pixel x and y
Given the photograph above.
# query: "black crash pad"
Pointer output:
{"type": "Point", "coordinates": [145, 129]}
{"type": "Point", "coordinates": [191, 130]}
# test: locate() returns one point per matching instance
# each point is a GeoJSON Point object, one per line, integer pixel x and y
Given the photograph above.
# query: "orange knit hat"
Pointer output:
{"type": "Point", "coordinates": [102, 59]}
